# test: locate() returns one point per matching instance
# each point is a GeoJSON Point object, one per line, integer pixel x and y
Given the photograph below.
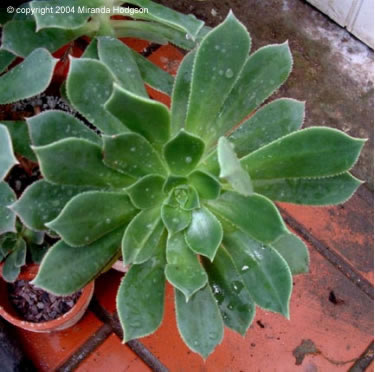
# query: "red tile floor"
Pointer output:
{"type": "Point", "coordinates": [331, 326]}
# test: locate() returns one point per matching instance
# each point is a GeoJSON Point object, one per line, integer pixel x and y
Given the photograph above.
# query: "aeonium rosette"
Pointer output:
{"type": "Point", "coordinates": [185, 195]}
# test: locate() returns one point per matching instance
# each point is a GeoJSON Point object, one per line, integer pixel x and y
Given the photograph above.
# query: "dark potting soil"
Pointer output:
{"type": "Point", "coordinates": [36, 305]}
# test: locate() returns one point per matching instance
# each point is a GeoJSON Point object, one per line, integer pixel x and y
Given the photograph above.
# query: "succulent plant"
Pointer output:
{"type": "Point", "coordinates": [14, 237]}
{"type": "Point", "coordinates": [39, 28]}
{"type": "Point", "coordinates": [185, 195]}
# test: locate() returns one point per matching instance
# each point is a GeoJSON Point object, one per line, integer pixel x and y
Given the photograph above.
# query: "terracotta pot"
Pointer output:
{"type": "Point", "coordinates": [65, 321]}
{"type": "Point", "coordinates": [119, 266]}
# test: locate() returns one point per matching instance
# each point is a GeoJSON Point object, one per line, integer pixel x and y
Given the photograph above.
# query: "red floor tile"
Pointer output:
{"type": "Point", "coordinates": [136, 44]}
{"type": "Point", "coordinates": [49, 350]}
{"type": "Point", "coordinates": [167, 57]}
{"type": "Point", "coordinates": [347, 229]}
{"type": "Point", "coordinates": [112, 355]}
{"type": "Point", "coordinates": [341, 332]}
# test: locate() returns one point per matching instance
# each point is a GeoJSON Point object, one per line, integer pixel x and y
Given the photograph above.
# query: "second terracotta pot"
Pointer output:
{"type": "Point", "coordinates": [65, 321]}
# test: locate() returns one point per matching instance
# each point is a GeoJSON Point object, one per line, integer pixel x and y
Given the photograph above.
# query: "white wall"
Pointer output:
{"type": "Point", "coordinates": [356, 15]}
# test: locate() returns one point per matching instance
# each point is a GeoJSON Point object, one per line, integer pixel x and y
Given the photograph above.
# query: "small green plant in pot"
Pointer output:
{"type": "Point", "coordinates": [186, 193]}
{"type": "Point", "coordinates": [15, 238]}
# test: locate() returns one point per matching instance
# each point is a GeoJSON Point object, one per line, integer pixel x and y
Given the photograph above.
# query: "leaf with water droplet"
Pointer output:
{"type": "Point", "coordinates": [43, 201]}
{"type": "Point", "coordinates": [76, 161]}
{"type": "Point", "coordinates": [125, 151]}
{"type": "Point", "coordinates": [234, 299]}
{"type": "Point", "coordinates": [175, 218]}
{"type": "Point", "coordinates": [126, 71]}
{"type": "Point", "coordinates": [147, 192]}
{"type": "Point", "coordinates": [268, 280]}
{"type": "Point", "coordinates": [89, 86]}
{"type": "Point", "coordinates": [65, 269]}
{"type": "Point", "coordinates": [142, 236]}
{"type": "Point", "coordinates": [141, 316]}
{"type": "Point", "coordinates": [79, 224]}
{"type": "Point", "coordinates": [199, 321]}
{"type": "Point", "coordinates": [53, 125]}
{"type": "Point", "coordinates": [7, 216]}
{"type": "Point", "coordinates": [208, 94]}
{"type": "Point", "coordinates": [253, 85]}
{"type": "Point", "coordinates": [181, 92]}
{"type": "Point", "coordinates": [255, 215]}
{"type": "Point", "coordinates": [183, 270]}
{"type": "Point", "coordinates": [183, 153]}
{"type": "Point", "coordinates": [144, 116]}
{"type": "Point", "coordinates": [306, 153]}
{"type": "Point", "coordinates": [205, 233]}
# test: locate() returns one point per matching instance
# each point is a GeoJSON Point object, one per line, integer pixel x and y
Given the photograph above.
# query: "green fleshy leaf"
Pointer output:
{"type": "Point", "coordinates": [74, 161]}
{"type": "Point", "coordinates": [174, 218]}
{"type": "Point", "coordinates": [7, 216]}
{"type": "Point", "coordinates": [43, 201]}
{"type": "Point", "coordinates": [79, 224]}
{"type": "Point", "coordinates": [152, 31]}
{"type": "Point", "coordinates": [14, 261]}
{"type": "Point", "coordinates": [294, 252]}
{"type": "Point", "coordinates": [142, 237]}
{"type": "Point", "coordinates": [33, 237]}
{"type": "Point", "coordinates": [91, 50]}
{"type": "Point", "coordinates": [20, 253]}
{"type": "Point", "coordinates": [7, 243]}
{"type": "Point", "coordinates": [120, 61]}
{"type": "Point", "coordinates": [61, 17]}
{"type": "Point", "coordinates": [218, 62]}
{"type": "Point", "coordinates": [265, 273]}
{"type": "Point", "coordinates": [199, 321]}
{"type": "Point", "coordinates": [29, 78]}
{"type": "Point", "coordinates": [185, 197]}
{"type": "Point", "coordinates": [309, 191]}
{"type": "Point", "coordinates": [235, 302]}
{"type": "Point", "coordinates": [172, 182]}
{"type": "Point", "coordinates": [6, 58]}
{"type": "Point", "coordinates": [207, 186]}
{"type": "Point", "coordinates": [263, 73]}
{"type": "Point", "coordinates": [141, 115]}
{"type": "Point", "coordinates": [147, 192]}
{"type": "Point", "coordinates": [153, 75]}
{"type": "Point", "coordinates": [53, 125]}
{"type": "Point", "coordinates": [181, 92]}
{"type": "Point", "coordinates": [163, 15]}
{"type": "Point", "coordinates": [10, 270]}
{"type": "Point", "coordinates": [192, 197]}
{"type": "Point", "coordinates": [275, 120]}
{"type": "Point", "coordinates": [140, 298]}
{"type": "Point", "coordinates": [183, 153]}
{"type": "Point", "coordinates": [89, 85]}
{"type": "Point", "coordinates": [20, 138]}
{"type": "Point", "coordinates": [204, 234]}
{"type": "Point", "coordinates": [183, 270]}
{"type": "Point", "coordinates": [7, 158]}
{"type": "Point", "coordinates": [132, 154]}
{"type": "Point", "coordinates": [65, 270]}
{"type": "Point", "coordinates": [20, 38]}
{"type": "Point", "coordinates": [311, 152]}
{"type": "Point", "coordinates": [255, 215]}
{"type": "Point", "coordinates": [231, 169]}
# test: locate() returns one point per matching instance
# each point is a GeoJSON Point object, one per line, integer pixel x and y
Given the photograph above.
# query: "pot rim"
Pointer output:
{"type": "Point", "coordinates": [28, 273]}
